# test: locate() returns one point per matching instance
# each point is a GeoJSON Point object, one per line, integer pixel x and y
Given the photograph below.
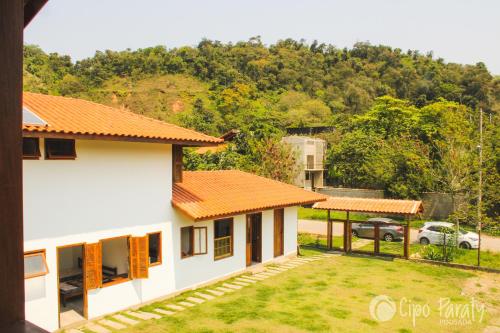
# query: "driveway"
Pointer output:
{"type": "Point", "coordinates": [319, 227]}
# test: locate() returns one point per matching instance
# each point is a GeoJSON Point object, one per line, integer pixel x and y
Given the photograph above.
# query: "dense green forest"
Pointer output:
{"type": "Point", "coordinates": [403, 122]}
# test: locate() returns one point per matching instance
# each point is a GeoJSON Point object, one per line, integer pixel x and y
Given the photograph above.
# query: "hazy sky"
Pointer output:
{"type": "Point", "coordinates": [456, 30]}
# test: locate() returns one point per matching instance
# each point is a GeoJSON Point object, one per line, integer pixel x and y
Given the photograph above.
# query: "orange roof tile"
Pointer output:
{"type": "Point", "coordinates": [205, 195]}
{"type": "Point", "coordinates": [72, 116]}
{"type": "Point", "coordinates": [386, 206]}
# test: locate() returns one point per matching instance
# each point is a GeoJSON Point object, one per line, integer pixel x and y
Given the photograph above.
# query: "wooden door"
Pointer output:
{"type": "Point", "coordinates": [279, 219]}
{"type": "Point", "coordinates": [249, 240]}
{"type": "Point", "coordinates": [257, 237]}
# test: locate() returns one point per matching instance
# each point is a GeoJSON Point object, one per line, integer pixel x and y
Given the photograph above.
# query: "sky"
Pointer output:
{"type": "Point", "coordinates": [462, 31]}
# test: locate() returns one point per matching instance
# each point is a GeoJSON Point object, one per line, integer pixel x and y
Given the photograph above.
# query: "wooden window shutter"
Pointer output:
{"type": "Point", "coordinates": [93, 266]}
{"type": "Point", "coordinates": [177, 165]}
{"type": "Point", "coordinates": [139, 257]}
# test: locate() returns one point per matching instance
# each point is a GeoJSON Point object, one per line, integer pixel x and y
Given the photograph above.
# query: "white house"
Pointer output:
{"type": "Point", "coordinates": [311, 158]}
{"type": "Point", "coordinates": [112, 221]}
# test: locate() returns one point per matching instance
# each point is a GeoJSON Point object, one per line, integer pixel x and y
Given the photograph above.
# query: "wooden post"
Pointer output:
{"type": "Point", "coordinates": [376, 247]}
{"type": "Point", "coordinates": [329, 232]}
{"type": "Point", "coordinates": [345, 235]}
{"type": "Point", "coordinates": [349, 233]}
{"type": "Point", "coordinates": [11, 195]}
{"type": "Point", "coordinates": [407, 238]}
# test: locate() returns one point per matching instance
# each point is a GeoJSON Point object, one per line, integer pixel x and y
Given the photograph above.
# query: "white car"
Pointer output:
{"type": "Point", "coordinates": [432, 233]}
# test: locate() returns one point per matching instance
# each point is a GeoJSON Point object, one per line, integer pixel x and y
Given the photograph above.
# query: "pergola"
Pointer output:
{"type": "Point", "coordinates": [406, 208]}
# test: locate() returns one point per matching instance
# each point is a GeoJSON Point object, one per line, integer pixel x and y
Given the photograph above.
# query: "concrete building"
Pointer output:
{"type": "Point", "coordinates": [112, 221]}
{"type": "Point", "coordinates": [311, 158]}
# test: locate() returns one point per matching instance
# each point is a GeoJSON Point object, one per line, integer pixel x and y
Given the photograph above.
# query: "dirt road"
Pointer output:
{"type": "Point", "coordinates": [319, 228]}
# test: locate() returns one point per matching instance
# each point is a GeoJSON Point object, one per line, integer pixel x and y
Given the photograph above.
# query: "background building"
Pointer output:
{"type": "Point", "coordinates": [311, 157]}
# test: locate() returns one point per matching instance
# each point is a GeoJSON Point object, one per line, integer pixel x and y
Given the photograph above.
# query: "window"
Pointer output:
{"type": "Point", "coordinates": [310, 161]}
{"type": "Point", "coordinates": [187, 242]}
{"type": "Point", "coordinates": [31, 148]}
{"type": "Point", "coordinates": [223, 238]}
{"type": "Point", "coordinates": [115, 260]}
{"type": "Point", "coordinates": [193, 241]}
{"type": "Point", "coordinates": [60, 149]}
{"type": "Point", "coordinates": [177, 163]}
{"type": "Point", "coordinates": [154, 248]}
{"type": "Point", "coordinates": [35, 264]}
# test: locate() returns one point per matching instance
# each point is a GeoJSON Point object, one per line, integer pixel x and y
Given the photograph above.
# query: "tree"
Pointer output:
{"type": "Point", "coordinates": [276, 160]}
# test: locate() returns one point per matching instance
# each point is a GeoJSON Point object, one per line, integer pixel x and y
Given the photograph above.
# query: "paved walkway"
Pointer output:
{"type": "Point", "coordinates": [319, 228]}
{"type": "Point", "coordinates": [128, 318]}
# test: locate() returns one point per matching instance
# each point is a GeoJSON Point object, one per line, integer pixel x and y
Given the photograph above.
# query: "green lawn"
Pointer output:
{"type": "Point", "coordinates": [468, 257]}
{"type": "Point", "coordinates": [318, 214]}
{"type": "Point", "coordinates": [330, 295]}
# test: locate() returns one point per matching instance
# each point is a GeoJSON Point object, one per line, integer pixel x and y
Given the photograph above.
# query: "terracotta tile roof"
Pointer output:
{"type": "Point", "coordinates": [72, 116]}
{"type": "Point", "coordinates": [205, 195]}
{"type": "Point", "coordinates": [386, 206]}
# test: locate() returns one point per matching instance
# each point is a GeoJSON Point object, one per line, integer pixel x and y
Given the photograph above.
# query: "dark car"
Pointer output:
{"type": "Point", "coordinates": [388, 233]}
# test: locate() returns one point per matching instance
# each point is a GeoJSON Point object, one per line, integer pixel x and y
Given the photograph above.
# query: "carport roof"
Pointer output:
{"type": "Point", "coordinates": [379, 206]}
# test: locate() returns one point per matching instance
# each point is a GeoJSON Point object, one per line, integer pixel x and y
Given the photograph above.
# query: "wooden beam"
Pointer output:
{"type": "Point", "coordinates": [31, 8]}
{"type": "Point", "coordinates": [376, 237]}
{"type": "Point", "coordinates": [11, 195]}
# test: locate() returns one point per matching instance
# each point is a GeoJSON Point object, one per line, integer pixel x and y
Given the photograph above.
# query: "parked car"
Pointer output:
{"type": "Point", "coordinates": [434, 233]}
{"type": "Point", "coordinates": [388, 233]}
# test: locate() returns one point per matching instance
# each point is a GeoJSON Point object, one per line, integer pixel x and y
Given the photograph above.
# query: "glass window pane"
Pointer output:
{"type": "Point", "coordinates": [154, 248]}
{"type": "Point", "coordinates": [34, 265]}
{"type": "Point", "coordinates": [223, 228]}
{"type": "Point", "coordinates": [222, 238]}
{"type": "Point", "coordinates": [186, 236]}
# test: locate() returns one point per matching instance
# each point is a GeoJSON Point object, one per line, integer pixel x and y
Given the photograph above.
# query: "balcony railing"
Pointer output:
{"type": "Point", "coordinates": [314, 166]}
{"type": "Point", "coordinates": [223, 247]}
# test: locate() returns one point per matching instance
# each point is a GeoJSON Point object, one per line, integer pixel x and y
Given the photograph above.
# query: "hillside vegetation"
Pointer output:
{"type": "Point", "coordinates": [404, 122]}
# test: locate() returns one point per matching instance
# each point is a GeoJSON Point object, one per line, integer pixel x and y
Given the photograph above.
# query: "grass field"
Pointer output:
{"type": "Point", "coordinates": [332, 295]}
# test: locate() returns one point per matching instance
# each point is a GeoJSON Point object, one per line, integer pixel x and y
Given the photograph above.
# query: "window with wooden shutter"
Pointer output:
{"type": "Point", "coordinates": [93, 266]}
{"type": "Point", "coordinates": [177, 165]}
{"type": "Point", "coordinates": [139, 257]}
{"type": "Point", "coordinates": [35, 264]}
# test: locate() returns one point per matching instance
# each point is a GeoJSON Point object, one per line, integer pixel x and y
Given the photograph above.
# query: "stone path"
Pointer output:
{"type": "Point", "coordinates": [113, 324]}
{"type": "Point", "coordinates": [126, 320]}
{"type": "Point", "coordinates": [168, 308]}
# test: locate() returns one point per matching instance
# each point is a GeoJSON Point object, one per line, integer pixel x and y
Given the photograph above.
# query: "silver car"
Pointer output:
{"type": "Point", "coordinates": [388, 233]}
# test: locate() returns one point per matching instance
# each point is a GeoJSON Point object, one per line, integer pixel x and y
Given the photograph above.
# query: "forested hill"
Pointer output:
{"type": "Point", "coordinates": [248, 78]}
{"type": "Point", "coordinates": [403, 119]}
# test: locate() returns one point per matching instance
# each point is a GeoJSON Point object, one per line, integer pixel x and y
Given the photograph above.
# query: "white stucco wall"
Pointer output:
{"type": "Point", "coordinates": [112, 189]}
{"type": "Point", "coordinates": [116, 189]}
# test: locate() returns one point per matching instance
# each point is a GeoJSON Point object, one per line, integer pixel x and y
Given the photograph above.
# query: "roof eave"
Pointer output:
{"type": "Point", "coordinates": [58, 135]}
{"type": "Point", "coordinates": [201, 218]}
